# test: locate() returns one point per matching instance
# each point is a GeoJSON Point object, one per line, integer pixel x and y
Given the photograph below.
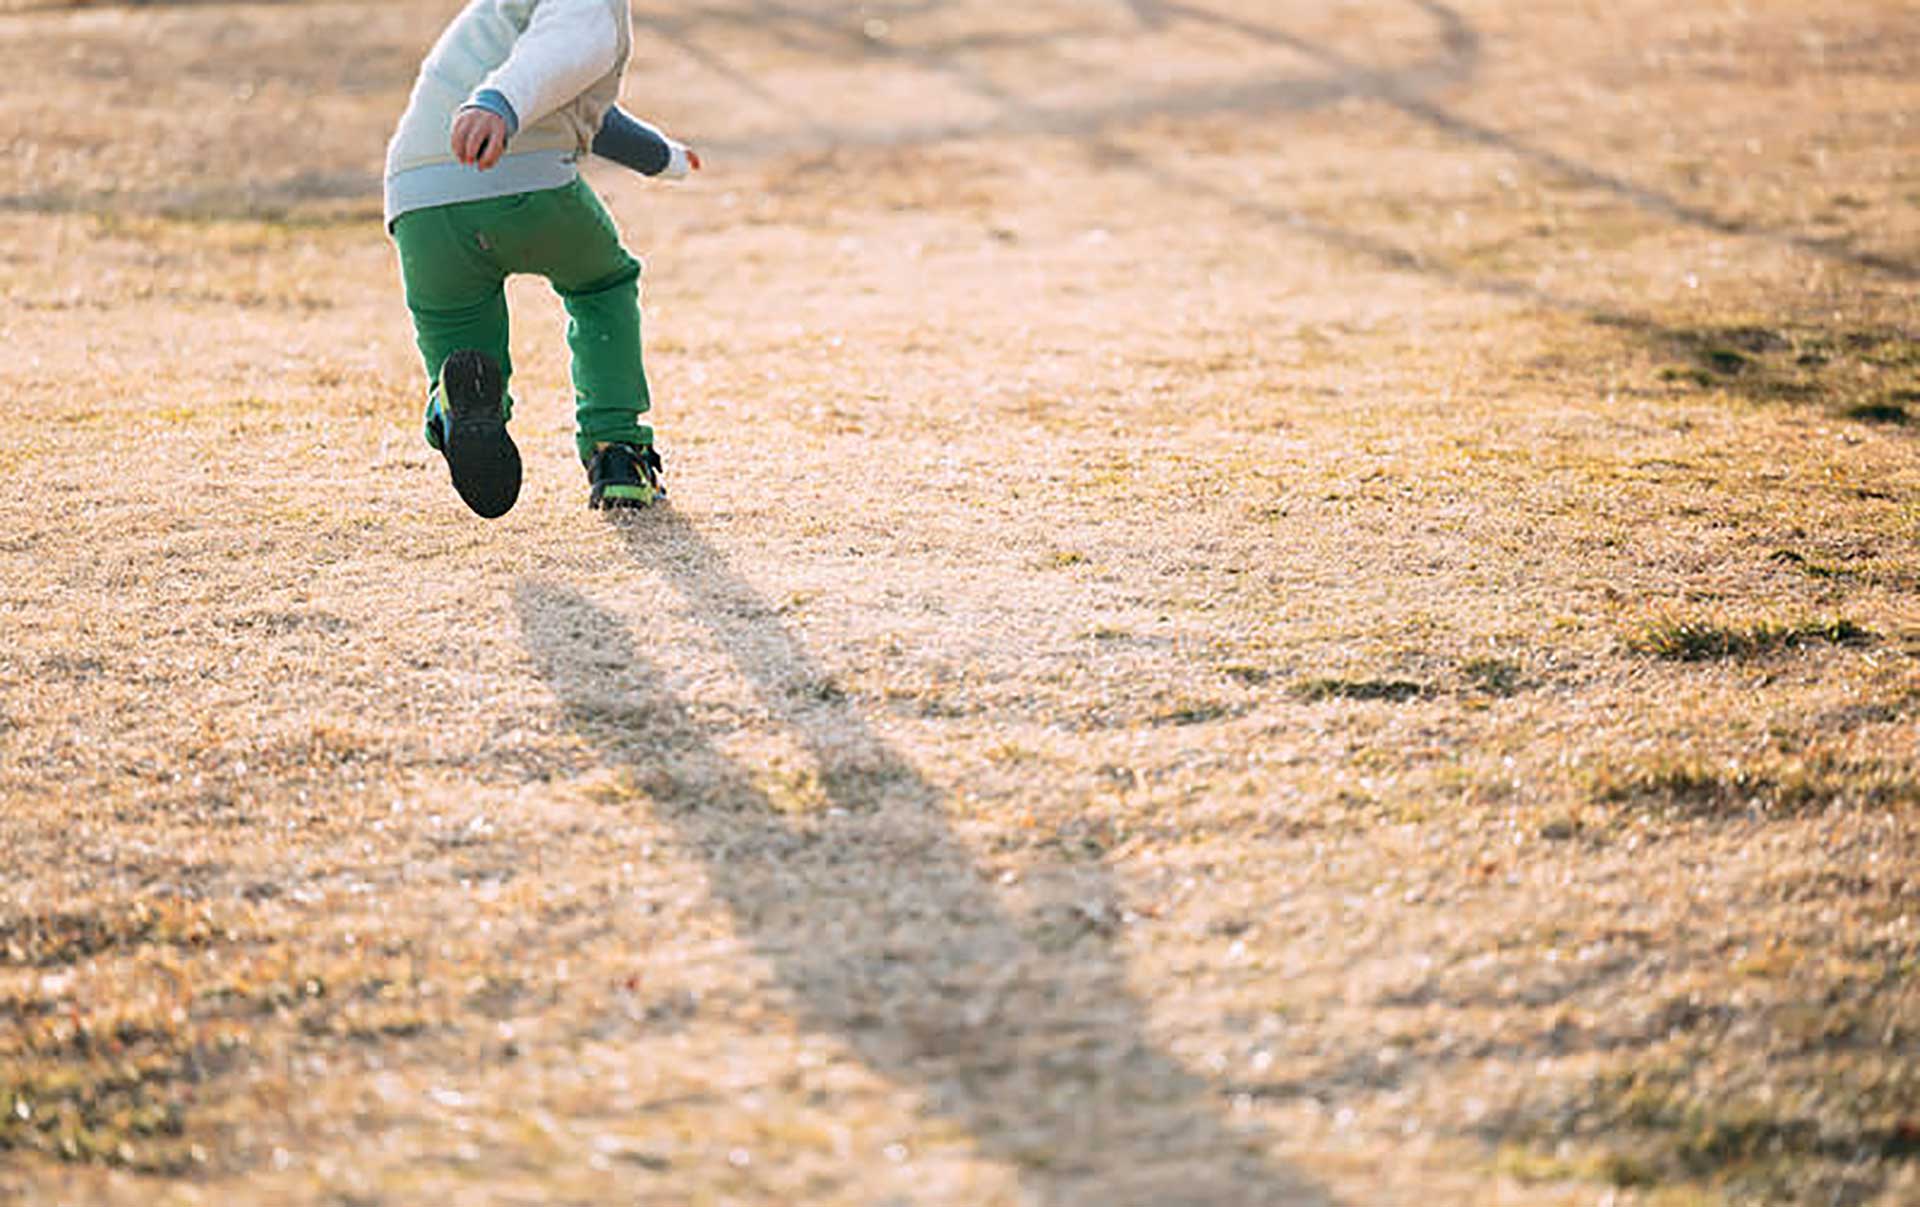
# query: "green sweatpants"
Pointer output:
{"type": "Point", "coordinates": [455, 260]}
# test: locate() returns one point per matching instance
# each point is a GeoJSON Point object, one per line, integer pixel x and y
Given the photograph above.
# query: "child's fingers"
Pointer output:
{"type": "Point", "coordinates": [462, 141]}
{"type": "Point", "coordinates": [479, 139]}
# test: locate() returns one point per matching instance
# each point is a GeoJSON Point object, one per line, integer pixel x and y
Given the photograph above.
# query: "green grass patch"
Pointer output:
{"type": "Point", "coordinates": [112, 1086]}
{"type": "Point", "coordinates": [109, 1112]}
{"type": "Point", "coordinates": [1678, 639]}
{"type": "Point", "coordinates": [1848, 369]}
{"type": "Point", "coordinates": [1806, 565]}
{"type": "Point", "coordinates": [1661, 1127]}
{"type": "Point", "coordinates": [52, 940]}
{"type": "Point", "coordinates": [1784, 787]}
{"type": "Point", "coordinates": [1878, 412]}
{"type": "Point", "coordinates": [1393, 691]}
{"type": "Point", "coordinates": [1491, 676]}
{"type": "Point", "coordinates": [1193, 713]}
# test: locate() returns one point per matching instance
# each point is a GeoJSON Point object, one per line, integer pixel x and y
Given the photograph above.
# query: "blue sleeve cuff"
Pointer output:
{"type": "Point", "coordinates": [632, 143]}
{"type": "Point", "coordinates": [495, 102]}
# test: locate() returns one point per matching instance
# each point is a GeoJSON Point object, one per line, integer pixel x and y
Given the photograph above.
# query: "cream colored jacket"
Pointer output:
{"type": "Point", "coordinates": [559, 63]}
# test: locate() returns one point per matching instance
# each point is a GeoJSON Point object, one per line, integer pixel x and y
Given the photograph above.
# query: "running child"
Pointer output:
{"type": "Point", "coordinates": [482, 182]}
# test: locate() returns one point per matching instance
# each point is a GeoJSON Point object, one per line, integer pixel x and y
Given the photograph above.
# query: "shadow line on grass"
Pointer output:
{"type": "Point", "coordinates": [878, 922]}
{"type": "Point", "coordinates": [1408, 89]}
{"type": "Point", "coordinates": [843, 38]}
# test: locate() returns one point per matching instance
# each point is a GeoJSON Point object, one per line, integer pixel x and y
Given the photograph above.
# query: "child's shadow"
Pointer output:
{"type": "Point", "coordinates": [877, 921]}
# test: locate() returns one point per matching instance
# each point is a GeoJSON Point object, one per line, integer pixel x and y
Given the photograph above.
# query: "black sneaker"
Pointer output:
{"type": "Point", "coordinates": [624, 475]}
{"type": "Point", "coordinates": [473, 431]}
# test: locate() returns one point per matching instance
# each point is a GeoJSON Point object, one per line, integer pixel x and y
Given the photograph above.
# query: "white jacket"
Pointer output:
{"type": "Point", "coordinates": [559, 63]}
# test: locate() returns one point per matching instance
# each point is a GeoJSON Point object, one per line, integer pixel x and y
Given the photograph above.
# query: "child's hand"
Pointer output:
{"type": "Point", "coordinates": [682, 160]}
{"type": "Point", "coordinates": [479, 138]}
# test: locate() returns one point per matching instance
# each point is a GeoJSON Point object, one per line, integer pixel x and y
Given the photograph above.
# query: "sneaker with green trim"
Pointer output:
{"type": "Point", "coordinates": [469, 416]}
{"type": "Point", "coordinates": [624, 475]}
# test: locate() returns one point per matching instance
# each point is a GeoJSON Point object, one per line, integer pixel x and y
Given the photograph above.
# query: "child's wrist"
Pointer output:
{"type": "Point", "coordinates": [492, 100]}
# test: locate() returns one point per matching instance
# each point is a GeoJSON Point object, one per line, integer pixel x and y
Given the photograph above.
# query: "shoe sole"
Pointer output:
{"type": "Point", "coordinates": [481, 457]}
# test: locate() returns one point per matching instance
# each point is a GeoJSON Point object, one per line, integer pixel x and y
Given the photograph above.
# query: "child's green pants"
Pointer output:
{"type": "Point", "coordinates": [455, 260]}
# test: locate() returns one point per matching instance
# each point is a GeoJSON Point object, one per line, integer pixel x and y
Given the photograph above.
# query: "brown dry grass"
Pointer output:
{"type": "Point", "coordinates": [1293, 604]}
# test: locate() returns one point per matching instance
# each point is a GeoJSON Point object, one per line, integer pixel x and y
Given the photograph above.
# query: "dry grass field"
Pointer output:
{"type": "Point", "coordinates": [1265, 602]}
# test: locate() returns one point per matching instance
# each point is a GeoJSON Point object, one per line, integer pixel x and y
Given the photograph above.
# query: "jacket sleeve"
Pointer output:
{"type": "Point", "coordinates": [567, 46]}
{"type": "Point", "coordinates": [632, 143]}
